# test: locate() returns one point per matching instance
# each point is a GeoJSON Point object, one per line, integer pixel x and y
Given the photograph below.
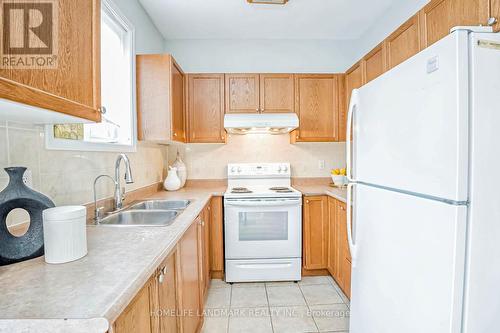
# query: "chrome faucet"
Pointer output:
{"type": "Point", "coordinates": [119, 195]}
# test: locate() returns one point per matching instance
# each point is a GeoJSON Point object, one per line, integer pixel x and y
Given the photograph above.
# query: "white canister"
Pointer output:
{"type": "Point", "coordinates": [64, 234]}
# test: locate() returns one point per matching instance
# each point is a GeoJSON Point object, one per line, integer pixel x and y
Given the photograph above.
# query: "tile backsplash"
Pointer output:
{"type": "Point", "coordinates": [67, 176]}
{"type": "Point", "coordinates": [208, 161]}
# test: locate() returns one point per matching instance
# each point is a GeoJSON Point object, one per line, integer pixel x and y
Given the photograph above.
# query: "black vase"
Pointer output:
{"type": "Point", "coordinates": [17, 195]}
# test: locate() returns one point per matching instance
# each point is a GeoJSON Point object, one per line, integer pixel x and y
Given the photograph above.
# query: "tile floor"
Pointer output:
{"type": "Point", "coordinates": [316, 304]}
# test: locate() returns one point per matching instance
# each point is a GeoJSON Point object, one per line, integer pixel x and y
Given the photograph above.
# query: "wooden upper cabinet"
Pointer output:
{"type": "Point", "coordinates": [177, 103]}
{"type": "Point", "coordinates": [277, 93]}
{"type": "Point", "coordinates": [374, 63]}
{"type": "Point", "coordinates": [315, 240]}
{"type": "Point", "coordinates": [188, 276]}
{"type": "Point", "coordinates": [160, 99]}
{"type": "Point", "coordinates": [439, 16]}
{"type": "Point", "coordinates": [72, 85]}
{"type": "Point", "coordinates": [317, 105]}
{"type": "Point", "coordinates": [205, 108]}
{"type": "Point", "coordinates": [353, 80]}
{"type": "Point", "coordinates": [242, 93]}
{"type": "Point", "coordinates": [403, 43]}
{"type": "Point", "coordinates": [137, 316]}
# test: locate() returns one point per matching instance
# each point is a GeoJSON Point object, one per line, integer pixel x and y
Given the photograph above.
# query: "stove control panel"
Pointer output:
{"type": "Point", "coordinates": [259, 170]}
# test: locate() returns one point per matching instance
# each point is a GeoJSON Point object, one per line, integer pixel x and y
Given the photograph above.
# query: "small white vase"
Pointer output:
{"type": "Point", "coordinates": [181, 169]}
{"type": "Point", "coordinates": [172, 182]}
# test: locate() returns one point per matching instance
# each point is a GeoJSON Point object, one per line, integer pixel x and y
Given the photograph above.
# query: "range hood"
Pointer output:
{"type": "Point", "coordinates": [262, 123]}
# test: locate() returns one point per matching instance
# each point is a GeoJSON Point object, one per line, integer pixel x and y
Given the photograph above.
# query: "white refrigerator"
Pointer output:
{"type": "Point", "coordinates": [424, 170]}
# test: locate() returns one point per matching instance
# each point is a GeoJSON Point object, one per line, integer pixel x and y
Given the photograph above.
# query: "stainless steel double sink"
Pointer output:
{"type": "Point", "coordinates": [147, 213]}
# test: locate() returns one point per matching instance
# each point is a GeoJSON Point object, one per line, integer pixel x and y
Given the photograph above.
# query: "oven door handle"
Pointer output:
{"type": "Point", "coordinates": [262, 203]}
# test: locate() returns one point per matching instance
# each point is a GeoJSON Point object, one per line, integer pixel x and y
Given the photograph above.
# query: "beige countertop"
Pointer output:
{"type": "Point", "coordinates": [88, 294]}
{"type": "Point", "coordinates": [310, 190]}
{"type": "Point", "coordinates": [93, 291]}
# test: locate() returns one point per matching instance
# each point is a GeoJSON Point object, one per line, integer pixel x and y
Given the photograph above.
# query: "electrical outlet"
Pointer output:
{"type": "Point", "coordinates": [28, 178]}
{"type": "Point", "coordinates": [321, 164]}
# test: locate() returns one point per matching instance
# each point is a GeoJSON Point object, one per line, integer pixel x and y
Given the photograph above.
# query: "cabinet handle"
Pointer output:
{"type": "Point", "coordinates": [164, 270]}
{"type": "Point", "coordinates": [102, 110]}
{"type": "Point", "coordinates": [307, 201]}
{"type": "Point", "coordinates": [161, 278]}
{"type": "Point", "coordinates": [175, 134]}
{"type": "Point", "coordinates": [492, 21]}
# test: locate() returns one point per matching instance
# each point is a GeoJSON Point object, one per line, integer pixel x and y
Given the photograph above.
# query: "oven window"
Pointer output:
{"type": "Point", "coordinates": [266, 226]}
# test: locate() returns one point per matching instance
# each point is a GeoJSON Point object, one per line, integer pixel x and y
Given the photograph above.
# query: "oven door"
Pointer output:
{"type": "Point", "coordinates": [263, 228]}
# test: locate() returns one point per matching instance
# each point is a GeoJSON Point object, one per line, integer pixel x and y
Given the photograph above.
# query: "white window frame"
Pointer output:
{"type": "Point", "coordinates": [52, 143]}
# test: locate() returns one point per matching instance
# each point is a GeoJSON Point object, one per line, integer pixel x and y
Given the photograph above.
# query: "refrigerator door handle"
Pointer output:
{"type": "Point", "coordinates": [352, 107]}
{"type": "Point", "coordinates": [349, 219]}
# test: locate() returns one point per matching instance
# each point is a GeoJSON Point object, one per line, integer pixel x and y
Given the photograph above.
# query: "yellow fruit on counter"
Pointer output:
{"type": "Point", "coordinates": [343, 172]}
{"type": "Point", "coordinates": [336, 172]}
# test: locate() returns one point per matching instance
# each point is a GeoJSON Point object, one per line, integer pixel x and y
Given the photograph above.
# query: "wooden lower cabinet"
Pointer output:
{"type": "Point", "coordinates": [339, 256]}
{"type": "Point", "coordinates": [333, 250]}
{"type": "Point", "coordinates": [137, 316]}
{"type": "Point", "coordinates": [204, 252]}
{"type": "Point", "coordinates": [216, 231]}
{"type": "Point", "coordinates": [167, 295]}
{"type": "Point", "coordinates": [189, 280]}
{"type": "Point", "coordinates": [315, 234]}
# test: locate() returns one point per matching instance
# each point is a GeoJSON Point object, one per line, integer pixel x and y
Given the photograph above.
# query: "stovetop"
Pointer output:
{"type": "Point", "coordinates": [262, 192]}
{"type": "Point", "coordinates": [260, 180]}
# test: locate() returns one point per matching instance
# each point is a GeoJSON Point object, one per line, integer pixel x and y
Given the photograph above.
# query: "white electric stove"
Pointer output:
{"type": "Point", "coordinates": [263, 224]}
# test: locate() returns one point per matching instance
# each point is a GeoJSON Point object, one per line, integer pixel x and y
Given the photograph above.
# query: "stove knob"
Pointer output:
{"type": "Point", "coordinates": [239, 169]}
{"type": "Point", "coordinates": [279, 169]}
{"type": "Point", "coordinates": [233, 169]}
{"type": "Point", "coordinates": [285, 168]}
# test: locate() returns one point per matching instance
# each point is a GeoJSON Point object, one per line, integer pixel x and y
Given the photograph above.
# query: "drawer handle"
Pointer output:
{"type": "Point", "coordinates": [102, 110]}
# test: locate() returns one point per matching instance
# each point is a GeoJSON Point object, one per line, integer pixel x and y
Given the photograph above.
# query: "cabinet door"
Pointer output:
{"type": "Point", "coordinates": [216, 238]}
{"type": "Point", "coordinates": [137, 316]}
{"type": "Point", "coordinates": [160, 99]}
{"type": "Point", "coordinates": [242, 93]}
{"type": "Point", "coordinates": [206, 108]}
{"type": "Point", "coordinates": [439, 16]}
{"type": "Point", "coordinates": [353, 80]}
{"type": "Point", "coordinates": [177, 103]}
{"type": "Point", "coordinates": [167, 297]}
{"type": "Point", "coordinates": [495, 12]}
{"type": "Point", "coordinates": [317, 106]}
{"type": "Point", "coordinates": [72, 85]}
{"type": "Point", "coordinates": [189, 280]}
{"type": "Point", "coordinates": [315, 232]}
{"type": "Point", "coordinates": [374, 63]}
{"type": "Point", "coordinates": [403, 43]}
{"type": "Point", "coordinates": [344, 274]}
{"type": "Point", "coordinates": [277, 93]}
{"type": "Point", "coordinates": [204, 242]}
{"type": "Point", "coordinates": [333, 243]}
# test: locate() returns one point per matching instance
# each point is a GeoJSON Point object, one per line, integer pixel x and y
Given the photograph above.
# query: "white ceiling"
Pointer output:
{"type": "Point", "coordinates": [237, 19]}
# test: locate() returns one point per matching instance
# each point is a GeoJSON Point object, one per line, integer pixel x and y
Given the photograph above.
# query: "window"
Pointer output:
{"type": "Point", "coordinates": [117, 131]}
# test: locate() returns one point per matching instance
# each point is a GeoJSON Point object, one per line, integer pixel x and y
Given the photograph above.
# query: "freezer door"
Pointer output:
{"type": "Point", "coordinates": [408, 271]}
{"type": "Point", "coordinates": [411, 124]}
